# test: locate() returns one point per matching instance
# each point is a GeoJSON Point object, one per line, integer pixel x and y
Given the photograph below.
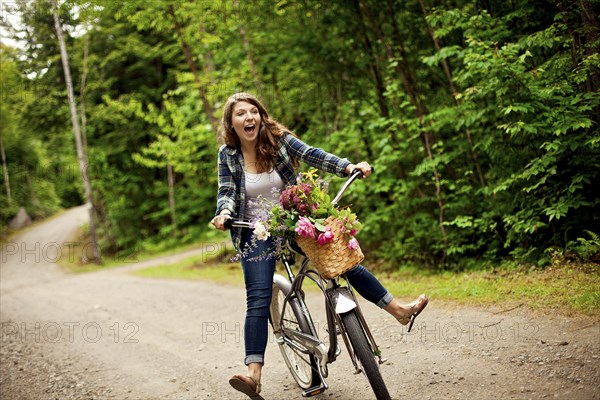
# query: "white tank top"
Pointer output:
{"type": "Point", "coordinates": [261, 185]}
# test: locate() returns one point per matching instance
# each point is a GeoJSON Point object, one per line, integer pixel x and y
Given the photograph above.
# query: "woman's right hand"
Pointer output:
{"type": "Point", "coordinates": [362, 166]}
{"type": "Point", "coordinates": [219, 221]}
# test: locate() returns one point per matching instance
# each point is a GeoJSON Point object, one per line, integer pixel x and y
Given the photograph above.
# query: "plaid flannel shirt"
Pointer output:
{"type": "Point", "coordinates": [232, 192]}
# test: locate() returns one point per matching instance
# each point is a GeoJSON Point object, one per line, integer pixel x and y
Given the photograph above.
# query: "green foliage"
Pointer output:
{"type": "Point", "coordinates": [541, 162]}
{"type": "Point", "coordinates": [531, 127]}
{"type": "Point", "coordinates": [480, 118]}
{"type": "Point", "coordinates": [29, 166]}
{"type": "Point", "coordinates": [586, 248]}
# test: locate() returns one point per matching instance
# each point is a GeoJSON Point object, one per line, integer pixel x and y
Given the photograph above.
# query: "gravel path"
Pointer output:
{"type": "Point", "coordinates": [112, 335]}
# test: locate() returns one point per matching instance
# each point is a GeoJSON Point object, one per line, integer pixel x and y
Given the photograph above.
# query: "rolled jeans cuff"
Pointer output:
{"type": "Point", "coordinates": [254, 358]}
{"type": "Point", "coordinates": [387, 299]}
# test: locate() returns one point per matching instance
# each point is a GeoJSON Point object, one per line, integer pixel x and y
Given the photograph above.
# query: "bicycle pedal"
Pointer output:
{"type": "Point", "coordinates": [315, 390]}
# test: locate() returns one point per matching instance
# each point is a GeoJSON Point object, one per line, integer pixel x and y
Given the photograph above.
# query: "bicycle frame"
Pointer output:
{"type": "Point", "coordinates": [338, 299]}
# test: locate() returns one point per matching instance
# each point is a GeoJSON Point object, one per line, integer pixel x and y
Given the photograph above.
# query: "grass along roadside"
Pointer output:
{"type": "Point", "coordinates": [200, 267]}
{"type": "Point", "coordinates": [80, 249]}
{"type": "Point", "coordinates": [566, 289]}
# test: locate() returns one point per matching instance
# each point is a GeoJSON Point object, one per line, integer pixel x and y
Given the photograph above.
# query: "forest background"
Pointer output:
{"type": "Point", "coordinates": [480, 117]}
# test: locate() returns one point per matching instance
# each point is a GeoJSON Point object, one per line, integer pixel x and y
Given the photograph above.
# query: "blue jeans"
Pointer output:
{"type": "Point", "coordinates": [258, 277]}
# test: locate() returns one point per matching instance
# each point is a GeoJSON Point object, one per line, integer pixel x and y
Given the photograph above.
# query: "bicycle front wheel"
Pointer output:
{"type": "Point", "coordinates": [364, 354]}
{"type": "Point", "coordinates": [302, 365]}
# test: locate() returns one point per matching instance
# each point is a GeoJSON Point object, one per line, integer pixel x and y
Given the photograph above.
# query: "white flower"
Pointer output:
{"type": "Point", "coordinates": [260, 231]}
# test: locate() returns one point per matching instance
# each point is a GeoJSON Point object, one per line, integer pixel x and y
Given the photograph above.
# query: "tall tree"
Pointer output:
{"type": "Point", "coordinates": [185, 47]}
{"type": "Point", "coordinates": [5, 171]}
{"type": "Point", "coordinates": [81, 154]}
{"type": "Point", "coordinates": [454, 92]}
{"type": "Point", "coordinates": [480, 117]}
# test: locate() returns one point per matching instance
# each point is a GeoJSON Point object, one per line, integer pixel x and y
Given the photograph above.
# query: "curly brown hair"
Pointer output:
{"type": "Point", "coordinates": [268, 134]}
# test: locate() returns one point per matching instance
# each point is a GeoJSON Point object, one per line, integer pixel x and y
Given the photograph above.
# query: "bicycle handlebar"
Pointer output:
{"type": "Point", "coordinates": [237, 223]}
{"type": "Point", "coordinates": [354, 175]}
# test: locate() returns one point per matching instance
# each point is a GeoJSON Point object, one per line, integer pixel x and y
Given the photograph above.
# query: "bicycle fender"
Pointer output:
{"type": "Point", "coordinates": [342, 301]}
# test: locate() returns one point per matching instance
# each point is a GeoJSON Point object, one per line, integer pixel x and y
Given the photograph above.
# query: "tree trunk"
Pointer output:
{"type": "Point", "coordinates": [209, 65]}
{"type": "Point", "coordinates": [81, 157]}
{"type": "Point", "coordinates": [448, 73]}
{"type": "Point", "coordinates": [84, 73]}
{"type": "Point", "coordinates": [575, 41]}
{"type": "Point", "coordinates": [208, 109]}
{"type": "Point", "coordinates": [172, 199]}
{"type": "Point", "coordinates": [5, 169]}
{"type": "Point", "coordinates": [373, 64]}
{"type": "Point", "coordinates": [250, 59]}
{"type": "Point", "coordinates": [32, 194]}
{"type": "Point", "coordinates": [438, 48]}
{"type": "Point", "coordinates": [249, 55]}
{"type": "Point", "coordinates": [412, 91]}
{"type": "Point", "coordinates": [389, 51]}
{"type": "Point", "coordinates": [591, 33]}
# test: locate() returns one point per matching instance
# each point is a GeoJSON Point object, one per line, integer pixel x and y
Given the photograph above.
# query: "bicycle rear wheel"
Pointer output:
{"type": "Point", "coordinates": [364, 354]}
{"type": "Point", "coordinates": [301, 364]}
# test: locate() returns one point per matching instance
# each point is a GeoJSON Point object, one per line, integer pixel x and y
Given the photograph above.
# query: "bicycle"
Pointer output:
{"type": "Point", "coordinates": [305, 354]}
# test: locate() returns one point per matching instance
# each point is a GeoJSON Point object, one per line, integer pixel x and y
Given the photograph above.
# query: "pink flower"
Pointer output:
{"type": "Point", "coordinates": [353, 244]}
{"type": "Point", "coordinates": [325, 237]}
{"type": "Point", "coordinates": [307, 189]}
{"type": "Point", "coordinates": [305, 228]}
{"type": "Point", "coordinates": [353, 232]}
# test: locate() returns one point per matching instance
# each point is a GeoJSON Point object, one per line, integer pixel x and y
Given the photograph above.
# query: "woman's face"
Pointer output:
{"type": "Point", "coordinates": [245, 120]}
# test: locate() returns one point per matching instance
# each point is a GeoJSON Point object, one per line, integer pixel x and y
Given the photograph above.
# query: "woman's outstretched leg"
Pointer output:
{"type": "Point", "coordinates": [369, 287]}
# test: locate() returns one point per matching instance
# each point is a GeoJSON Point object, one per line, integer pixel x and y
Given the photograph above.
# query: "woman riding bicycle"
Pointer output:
{"type": "Point", "coordinates": [260, 154]}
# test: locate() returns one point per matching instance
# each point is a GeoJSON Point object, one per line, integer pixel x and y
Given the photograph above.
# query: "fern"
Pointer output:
{"type": "Point", "coordinates": [586, 248]}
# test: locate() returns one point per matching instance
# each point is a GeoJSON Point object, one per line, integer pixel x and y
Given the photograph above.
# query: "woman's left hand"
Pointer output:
{"type": "Point", "coordinates": [363, 166]}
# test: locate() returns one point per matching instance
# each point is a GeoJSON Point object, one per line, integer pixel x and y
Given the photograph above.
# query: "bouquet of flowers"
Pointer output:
{"type": "Point", "coordinates": [324, 232]}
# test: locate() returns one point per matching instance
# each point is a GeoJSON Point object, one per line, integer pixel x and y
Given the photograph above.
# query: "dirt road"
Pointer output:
{"type": "Point", "coordinates": [112, 335]}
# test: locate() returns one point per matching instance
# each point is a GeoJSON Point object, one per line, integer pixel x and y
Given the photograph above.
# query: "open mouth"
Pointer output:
{"type": "Point", "coordinates": [249, 128]}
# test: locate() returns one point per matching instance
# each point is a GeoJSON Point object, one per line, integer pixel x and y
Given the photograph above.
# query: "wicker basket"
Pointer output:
{"type": "Point", "coordinates": [332, 259]}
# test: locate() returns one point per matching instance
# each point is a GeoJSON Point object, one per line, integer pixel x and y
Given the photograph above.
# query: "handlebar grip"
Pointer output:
{"type": "Point", "coordinates": [231, 223]}
{"type": "Point", "coordinates": [356, 172]}
{"type": "Point", "coordinates": [359, 173]}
